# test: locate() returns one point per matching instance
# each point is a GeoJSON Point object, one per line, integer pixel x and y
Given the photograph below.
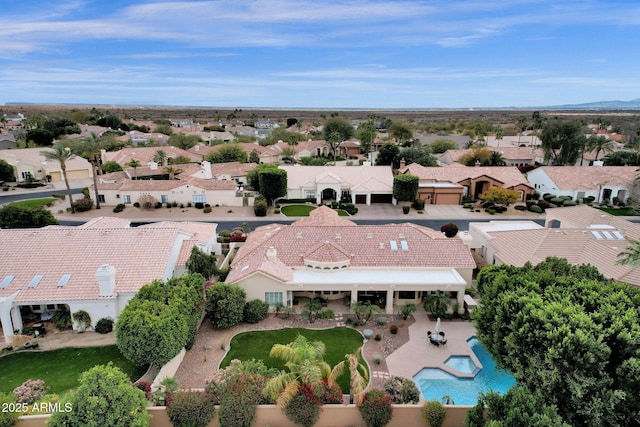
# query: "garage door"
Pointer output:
{"type": "Point", "coordinates": [381, 198]}
{"type": "Point", "coordinates": [56, 176]}
{"type": "Point", "coordinates": [361, 199]}
{"type": "Point", "coordinates": [78, 174]}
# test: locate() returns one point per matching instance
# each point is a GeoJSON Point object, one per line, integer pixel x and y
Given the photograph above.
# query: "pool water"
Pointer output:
{"type": "Point", "coordinates": [435, 383]}
{"type": "Point", "coordinates": [462, 363]}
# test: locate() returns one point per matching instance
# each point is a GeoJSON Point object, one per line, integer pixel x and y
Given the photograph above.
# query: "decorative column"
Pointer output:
{"type": "Point", "coordinates": [17, 319]}
{"type": "Point", "coordinates": [354, 294]}
{"type": "Point", "coordinates": [389, 306]}
{"type": "Point", "coordinates": [5, 316]}
{"type": "Point", "coordinates": [461, 302]}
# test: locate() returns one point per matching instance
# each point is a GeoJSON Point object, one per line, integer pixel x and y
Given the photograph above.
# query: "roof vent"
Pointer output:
{"type": "Point", "coordinates": [298, 235]}
{"type": "Point", "coordinates": [272, 254]}
{"type": "Point", "coordinates": [369, 235]}
{"type": "Point", "coordinates": [338, 236]}
{"type": "Point", "coordinates": [401, 236]}
{"type": "Point", "coordinates": [381, 245]}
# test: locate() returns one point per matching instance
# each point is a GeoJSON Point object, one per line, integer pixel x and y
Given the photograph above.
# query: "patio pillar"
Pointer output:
{"type": "Point", "coordinates": [354, 295]}
{"type": "Point", "coordinates": [460, 302]}
{"type": "Point", "coordinates": [17, 318]}
{"type": "Point", "coordinates": [5, 316]}
{"type": "Point", "coordinates": [368, 199]}
{"type": "Point", "coordinates": [389, 306]}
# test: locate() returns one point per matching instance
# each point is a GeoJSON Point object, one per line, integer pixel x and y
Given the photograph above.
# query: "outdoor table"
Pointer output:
{"type": "Point", "coordinates": [436, 338]}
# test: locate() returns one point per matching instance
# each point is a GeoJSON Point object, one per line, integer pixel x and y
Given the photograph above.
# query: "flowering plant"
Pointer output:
{"type": "Point", "coordinates": [29, 391]}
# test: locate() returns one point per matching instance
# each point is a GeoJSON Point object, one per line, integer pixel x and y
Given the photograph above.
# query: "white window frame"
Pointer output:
{"type": "Point", "coordinates": [273, 298]}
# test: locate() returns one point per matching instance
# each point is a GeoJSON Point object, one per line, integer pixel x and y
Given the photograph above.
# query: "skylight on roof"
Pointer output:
{"type": "Point", "coordinates": [607, 235]}
{"type": "Point", "coordinates": [6, 281]}
{"type": "Point", "coordinates": [393, 244]}
{"type": "Point", "coordinates": [618, 235]}
{"type": "Point", "coordinates": [596, 235]}
{"type": "Point", "coordinates": [36, 279]}
{"type": "Point", "coordinates": [64, 279]}
{"type": "Point", "coordinates": [404, 245]}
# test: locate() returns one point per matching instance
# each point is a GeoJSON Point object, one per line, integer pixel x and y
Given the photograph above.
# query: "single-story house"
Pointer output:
{"type": "Point", "coordinates": [232, 171]}
{"type": "Point", "coordinates": [358, 184]}
{"type": "Point", "coordinates": [8, 141]}
{"type": "Point", "coordinates": [333, 258]}
{"type": "Point", "coordinates": [585, 236]}
{"type": "Point", "coordinates": [601, 182]}
{"type": "Point", "coordinates": [446, 185]}
{"type": "Point", "coordinates": [29, 162]}
{"type": "Point", "coordinates": [514, 156]}
{"type": "Point", "coordinates": [146, 155]}
{"type": "Point", "coordinates": [97, 267]}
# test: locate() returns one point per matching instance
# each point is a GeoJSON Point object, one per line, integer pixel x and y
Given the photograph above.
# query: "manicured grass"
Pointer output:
{"type": "Point", "coordinates": [621, 211]}
{"type": "Point", "coordinates": [303, 210]}
{"type": "Point", "coordinates": [60, 369]}
{"type": "Point", "coordinates": [257, 345]}
{"type": "Point", "coordinates": [35, 203]}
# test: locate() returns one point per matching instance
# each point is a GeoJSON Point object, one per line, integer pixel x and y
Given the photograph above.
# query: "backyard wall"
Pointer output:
{"type": "Point", "coordinates": [331, 415]}
{"type": "Point", "coordinates": [169, 369]}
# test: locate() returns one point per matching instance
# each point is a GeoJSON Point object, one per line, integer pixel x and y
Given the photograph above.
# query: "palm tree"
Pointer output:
{"type": "Point", "coordinates": [499, 134]}
{"type": "Point", "coordinates": [90, 149]}
{"type": "Point", "coordinates": [160, 157]}
{"type": "Point", "coordinates": [437, 303]}
{"type": "Point", "coordinates": [496, 159]}
{"type": "Point", "coordinates": [292, 141]}
{"type": "Point", "coordinates": [370, 310]}
{"type": "Point", "coordinates": [357, 380]}
{"type": "Point", "coordinates": [407, 310]}
{"type": "Point", "coordinates": [311, 309]}
{"type": "Point", "coordinates": [135, 164]}
{"type": "Point", "coordinates": [631, 255]}
{"type": "Point", "coordinates": [172, 171]}
{"type": "Point", "coordinates": [305, 365]}
{"type": "Point", "coordinates": [62, 155]}
{"type": "Point", "coordinates": [521, 124]}
{"type": "Point", "coordinates": [358, 308]}
{"type": "Point", "coordinates": [599, 144]}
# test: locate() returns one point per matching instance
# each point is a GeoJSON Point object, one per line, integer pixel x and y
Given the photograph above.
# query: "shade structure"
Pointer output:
{"type": "Point", "coordinates": [438, 325]}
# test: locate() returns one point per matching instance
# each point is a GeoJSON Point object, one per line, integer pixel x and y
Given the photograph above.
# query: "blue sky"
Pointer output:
{"type": "Point", "coordinates": [320, 54]}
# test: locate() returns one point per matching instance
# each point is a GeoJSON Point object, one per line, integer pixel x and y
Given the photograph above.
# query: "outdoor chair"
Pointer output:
{"type": "Point", "coordinates": [443, 343]}
{"type": "Point", "coordinates": [441, 333]}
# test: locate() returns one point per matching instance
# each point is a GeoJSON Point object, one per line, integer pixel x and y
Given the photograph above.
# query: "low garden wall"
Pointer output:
{"type": "Point", "coordinates": [331, 416]}
{"type": "Point", "coordinates": [169, 369]}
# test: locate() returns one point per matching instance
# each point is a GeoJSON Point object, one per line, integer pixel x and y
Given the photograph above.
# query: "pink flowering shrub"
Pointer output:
{"type": "Point", "coordinates": [29, 391]}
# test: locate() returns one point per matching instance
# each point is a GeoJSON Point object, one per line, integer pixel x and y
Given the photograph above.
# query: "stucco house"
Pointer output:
{"type": "Point", "coordinates": [514, 156]}
{"type": "Point", "coordinates": [145, 155]}
{"type": "Point", "coordinates": [29, 162]}
{"type": "Point", "coordinates": [333, 258]}
{"type": "Point", "coordinates": [358, 184]}
{"type": "Point", "coordinates": [601, 182]}
{"type": "Point", "coordinates": [96, 267]}
{"type": "Point", "coordinates": [581, 234]}
{"type": "Point", "coordinates": [446, 185]}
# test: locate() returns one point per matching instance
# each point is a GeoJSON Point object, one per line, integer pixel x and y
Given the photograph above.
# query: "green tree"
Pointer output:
{"type": "Point", "coordinates": [90, 149]}
{"type": "Point", "coordinates": [111, 121]}
{"type": "Point", "coordinates": [172, 171]}
{"type": "Point", "coordinates": [402, 132]}
{"type": "Point", "coordinates": [183, 141]}
{"type": "Point", "coordinates": [160, 157]}
{"type": "Point", "coordinates": [340, 126]}
{"type": "Point", "coordinates": [499, 134]}
{"type": "Point", "coordinates": [202, 263]}
{"type": "Point", "coordinates": [253, 180]}
{"type": "Point", "coordinates": [358, 374]}
{"type": "Point", "coordinates": [367, 134]}
{"type": "Point", "coordinates": [111, 166]}
{"type": "Point", "coordinates": [441, 145]}
{"type": "Point", "coordinates": [62, 155]}
{"type": "Point", "coordinates": [388, 154]}
{"type": "Point", "coordinates": [225, 304]}
{"type": "Point", "coordinates": [334, 140]}
{"type": "Point", "coordinates": [375, 409]}
{"type": "Point", "coordinates": [227, 153]}
{"type": "Point", "coordinates": [311, 309]}
{"type": "Point", "coordinates": [405, 187]}
{"type": "Point", "coordinates": [496, 159]}
{"type": "Point", "coordinates": [272, 183]}
{"type": "Point", "coordinates": [599, 144]}
{"type": "Point", "coordinates": [164, 128]}
{"type": "Point", "coordinates": [500, 196]}
{"type": "Point", "coordinates": [622, 158]}
{"type": "Point", "coordinates": [6, 172]}
{"type": "Point", "coordinates": [105, 397]}
{"type": "Point", "coordinates": [402, 391]}
{"type": "Point", "coordinates": [407, 310]}
{"type": "Point", "coordinates": [419, 155]}
{"type": "Point", "coordinates": [13, 216]}
{"type": "Point", "coordinates": [631, 255]}
{"type": "Point", "coordinates": [190, 409]}
{"type": "Point", "coordinates": [562, 141]}
{"type": "Point", "coordinates": [135, 164]}
{"type": "Point", "coordinates": [305, 365]}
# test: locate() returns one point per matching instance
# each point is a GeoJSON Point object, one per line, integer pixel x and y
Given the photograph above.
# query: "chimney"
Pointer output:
{"type": "Point", "coordinates": [206, 170]}
{"type": "Point", "coordinates": [272, 254]}
{"type": "Point", "coordinates": [477, 163]}
{"type": "Point", "coordinates": [106, 277]}
{"type": "Point", "coordinates": [152, 165]}
{"type": "Point", "coordinates": [403, 163]}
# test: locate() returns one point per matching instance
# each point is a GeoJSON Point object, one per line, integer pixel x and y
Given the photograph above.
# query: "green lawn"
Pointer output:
{"type": "Point", "coordinates": [303, 210]}
{"type": "Point", "coordinates": [35, 203]}
{"type": "Point", "coordinates": [621, 211]}
{"type": "Point", "coordinates": [61, 368]}
{"type": "Point", "coordinates": [257, 345]}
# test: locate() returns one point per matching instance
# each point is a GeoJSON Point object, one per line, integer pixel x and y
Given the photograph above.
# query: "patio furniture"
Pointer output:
{"type": "Point", "coordinates": [38, 329]}
{"type": "Point", "coordinates": [443, 343]}
{"type": "Point", "coordinates": [441, 333]}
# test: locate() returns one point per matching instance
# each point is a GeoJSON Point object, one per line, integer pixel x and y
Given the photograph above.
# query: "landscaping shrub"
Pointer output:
{"type": "Point", "coordinates": [225, 304]}
{"type": "Point", "coordinates": [29, 391]}
{"type": "Point", "coordinates": [158, 205]}
{"type": "Point", "coordinates": [7, 418]}
{"type": "Point", "coordinates": [174, 204]}
{"type": "Point", "coordinates": [548, 196]}
{"type": "Point", "coordinates": [119, 207]}
{"type": "Point", "coordinates": [136, 204]}
{"type": "Point", "coordinates": [450, 229]}
{"type": "Point", "coordinates": [393, 329]}
{"type": "Point", "coordinates": [83, 318]}
{"type": "Point", "coordinates": [520, 208]}
{"type": "Point", "coordinates": [487, 205]}
{"type": "Point", "coordinates": [375, 408]}
{"type": "Point", "coordinates": [276, 211]}
{"type": "Point", "coordinates": [348, 321]}
{"type": "Point", "coordinates": [433, 413]}
{"type": "Point", "coordinates": [199, 205]}
{"type": "Point", "coordinates": [378, 337]}
{"type": "Point", "coordinates": [83, 205]}
{"type": "Point", "coordinates": [104, 325]}
{"type": "Point", "coordinates": [145, 387]}
{"type": "Point", "coordinates": [491, 211]}
{"type": "Point", "coordinates": [29, 185]}
{"type": "Point", "coordinates": [207, 210]}
{"type": "Point", "coordinates": [304, 407]}
{"type": "Point", "coordinates": [535, 208]}
{"type": "Point", "coordinates": [405, 209]}
{"type": "Point", "coordinates": [327, 313]}
{"type": "Point", "coordinates": [59, 196]}
{"type": "Point", "coordinates": [260, 207]}
{"type": "Point", "coordinates": [189, 204]}
{"type": "Point", "coordinates": [402, 390]}
{"type": "Point", "coordinates": [377, 359]}
{"type": "Point", "coordinates": [569, 203]}
{"type": "Point", "coordinates": [255, 311]}
{"type": "Point", "coordinates": [62, 319]}
{"type": "Point", "coordinates": [544, 204]}
{"type": "Point", "coordinates": [350, 208]}
{"type": "Point", "coordinates": [86, 193]}
{"type": "Point", "coordinates": [557, 201]}
{"type": "Point", "coordinates": [190, 409]}
{"type": "Point", "coordinates": [418, 204]}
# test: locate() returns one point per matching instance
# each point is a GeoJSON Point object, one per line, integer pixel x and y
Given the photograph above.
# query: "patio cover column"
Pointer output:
{"type": "Point", "coordinates": [389, 306]}
{"type": "Point", "coordinates": [17, 318]}
{"type": "Point", "coordinates": [461, 302]}
{"type": "Point", "coordinates": [354, 294]}
{"type": "Point", "coordinates": [5, 317]}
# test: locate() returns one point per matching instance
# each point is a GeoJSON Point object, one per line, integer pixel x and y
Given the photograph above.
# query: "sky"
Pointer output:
{"type": "Point", "coordinates": [361, 54]}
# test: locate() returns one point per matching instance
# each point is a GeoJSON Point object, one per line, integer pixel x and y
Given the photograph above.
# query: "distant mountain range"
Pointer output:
{"type": "Point", "coordinates": [634, 104]}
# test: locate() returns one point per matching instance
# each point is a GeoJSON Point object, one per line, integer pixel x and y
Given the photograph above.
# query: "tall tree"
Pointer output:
{"type": "Point", "coordinates": [62, 155]}
{"type": "Point", "coordinates": [90, 149]}
{"type": "Point", "coordinates": [367, 134]}
{"type": "Point", "coordinates": [358, 374]}
{"type": "Point", "coordinates": [334, 140]}
{"type": "Point", "coordinates": [388, 154]}
{"type": "Point", "coordinates": [273, 183]}
{"type": "Point", "coordinates": [305, 365]}
{"type": "Point", "coordinates": [499, 134]}
{"type": "Point", "coordinates": [135, 164]}
{"type": "Point", "coordinates": [631, 255]}
{"type": "Point", "coordinates": [402, 132]}
{"type": "Point", "coordinates": [160, 157]}
{"type": "Point", "coordinates": [562, 141]}
{"type": "Point", "coordinates": [599, 144]}
{"type": "Point", "coordinates": [405, 187]}
{"type": "Point", "coordinates": [172, 171]}
{"type": "Point", "coordinates": [339, 125]}
{"type": "Point", "coordinates": [521, 125]}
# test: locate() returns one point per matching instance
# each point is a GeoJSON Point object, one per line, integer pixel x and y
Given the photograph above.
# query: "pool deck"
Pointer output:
{"type": "Point", "coordinates": [418, 353]}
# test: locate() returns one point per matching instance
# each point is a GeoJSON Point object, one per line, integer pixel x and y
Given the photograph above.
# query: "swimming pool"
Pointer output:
{"type": "Point", "coordinates": [435, 383]}
{"type": "Point", "coordinates": [462, 363]}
